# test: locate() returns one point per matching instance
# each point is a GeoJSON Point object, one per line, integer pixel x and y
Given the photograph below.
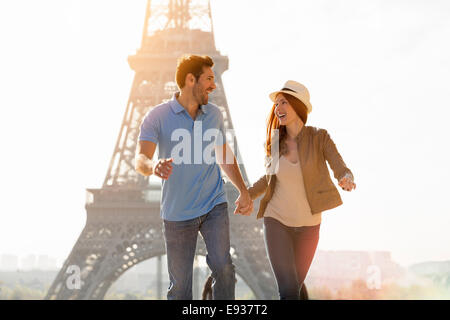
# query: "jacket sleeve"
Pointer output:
{"type": "Point", "coordinates": [258, 188]}
{"type": "Point", "coordinates": [333, 157]}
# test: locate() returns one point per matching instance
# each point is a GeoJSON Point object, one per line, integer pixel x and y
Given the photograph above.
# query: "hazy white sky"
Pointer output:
{"type": "Point", "coordinates": [377, 72]}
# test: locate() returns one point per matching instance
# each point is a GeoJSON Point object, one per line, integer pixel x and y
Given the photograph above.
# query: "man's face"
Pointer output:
{"type": "Point", "coordinates": [204, 86]}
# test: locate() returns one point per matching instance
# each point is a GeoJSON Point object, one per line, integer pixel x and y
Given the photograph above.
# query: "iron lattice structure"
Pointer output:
{"type": "Point", "coordinates": [123, 226]}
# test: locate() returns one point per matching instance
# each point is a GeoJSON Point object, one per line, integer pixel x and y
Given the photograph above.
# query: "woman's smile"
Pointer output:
{"type": "Point", "coordinates": [281, 115]}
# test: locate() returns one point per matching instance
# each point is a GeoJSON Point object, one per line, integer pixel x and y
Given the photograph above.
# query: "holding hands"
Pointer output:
{"type": "Point", "coordinates": [244, 204]}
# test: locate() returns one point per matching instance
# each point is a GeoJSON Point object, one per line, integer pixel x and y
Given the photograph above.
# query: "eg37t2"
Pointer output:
{"type": "Point", "coordinates": [246, 309]}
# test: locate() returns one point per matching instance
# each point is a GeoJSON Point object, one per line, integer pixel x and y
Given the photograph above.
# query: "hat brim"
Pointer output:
{"type": "Point", "coordinates": [308, 105]}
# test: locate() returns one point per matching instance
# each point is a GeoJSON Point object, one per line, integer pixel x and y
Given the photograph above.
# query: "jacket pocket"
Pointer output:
{"type": "Point", "coordinates": [325, 190]}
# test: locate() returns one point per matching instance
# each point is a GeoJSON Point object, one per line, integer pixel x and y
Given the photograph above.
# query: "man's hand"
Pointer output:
{"type": "Point", "coordinates": [227, 162]}
{"type": "Point", "coordinates": [163, 168]}
{"type": "Point", "coordinates": [244, 204]}
{"type": "Point", "coordinates": [347, 183]}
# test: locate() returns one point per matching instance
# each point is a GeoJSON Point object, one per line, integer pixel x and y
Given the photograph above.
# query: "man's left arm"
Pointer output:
{"type": "Point", "coordinates": [227, 161]}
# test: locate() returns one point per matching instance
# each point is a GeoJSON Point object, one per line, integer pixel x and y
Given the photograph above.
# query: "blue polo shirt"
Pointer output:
{"type": "Point", "coordinates": [195, 185]}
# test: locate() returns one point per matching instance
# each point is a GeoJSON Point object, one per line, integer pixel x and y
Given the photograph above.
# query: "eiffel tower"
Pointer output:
{"type": "Point", "coordinates": [123, 226]}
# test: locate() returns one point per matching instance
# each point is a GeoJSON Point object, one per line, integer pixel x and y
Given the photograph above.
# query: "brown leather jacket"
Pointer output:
{"type": "Point", "coordinates": [315, 147]}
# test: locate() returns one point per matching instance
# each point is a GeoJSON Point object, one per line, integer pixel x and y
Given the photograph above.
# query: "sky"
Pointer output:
{"type": "Point", "coordinates": [377, 72]}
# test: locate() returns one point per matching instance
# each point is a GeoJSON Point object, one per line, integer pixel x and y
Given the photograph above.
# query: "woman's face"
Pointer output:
{"type": "Point", "coordinates": [284, 111]}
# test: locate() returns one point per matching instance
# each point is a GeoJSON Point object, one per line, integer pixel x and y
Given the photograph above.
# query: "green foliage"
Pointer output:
{"type": "Point", "coordinates": [247, 296]}
{"type": "Point", "coordinates": [21, 292]}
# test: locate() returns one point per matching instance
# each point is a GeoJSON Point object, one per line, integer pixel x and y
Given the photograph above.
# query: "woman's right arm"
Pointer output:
{"type": "Point", "coordinates": [258, 188]}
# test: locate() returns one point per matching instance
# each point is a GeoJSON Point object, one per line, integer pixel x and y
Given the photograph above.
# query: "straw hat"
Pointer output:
{"type": "Point", "coordinates": [296, 90]}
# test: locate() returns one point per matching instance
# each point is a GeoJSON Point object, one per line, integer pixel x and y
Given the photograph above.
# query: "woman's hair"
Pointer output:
{"type": "Point", "coordinates": [273, 123]}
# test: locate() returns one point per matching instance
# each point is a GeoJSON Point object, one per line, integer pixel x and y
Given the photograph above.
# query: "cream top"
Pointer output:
{"type": "Point", "coordinates": [289, 203]}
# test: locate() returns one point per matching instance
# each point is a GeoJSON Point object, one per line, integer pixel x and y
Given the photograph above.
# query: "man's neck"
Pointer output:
{"type": "Point", "coordinates": [188, 102]}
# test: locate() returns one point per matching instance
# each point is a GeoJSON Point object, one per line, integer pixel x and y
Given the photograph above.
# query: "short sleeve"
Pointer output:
{"type": "Point", "coordinates": [149, 129]}
{"type": "Point", "coordinates": [221, 139]}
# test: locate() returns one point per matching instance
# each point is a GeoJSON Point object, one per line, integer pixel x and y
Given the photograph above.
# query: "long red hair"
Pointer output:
{"type": "Point", "coordinates": [273, 123]}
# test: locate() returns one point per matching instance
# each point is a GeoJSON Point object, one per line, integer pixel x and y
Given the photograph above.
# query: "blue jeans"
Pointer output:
{"type": "Point", "coordinates": [181, 241]}
{"type": "Point", "coordinates": [291, 251]}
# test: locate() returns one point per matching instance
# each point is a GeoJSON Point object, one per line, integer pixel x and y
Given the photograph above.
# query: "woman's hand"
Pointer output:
{"type": "Point", "coordinates": [244, 204]}
{"type": "Point", "coordinates": [346, 183]}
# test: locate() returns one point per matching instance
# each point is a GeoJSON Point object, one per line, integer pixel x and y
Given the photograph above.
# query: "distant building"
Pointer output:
{"type": "Point", "coordinates": [9, 262]}
{"type": "Point", "coordinates": [28, 262]}
{"type": "Point", "coordinates": [334, 269]}
{"type": "Point", "coordinates": [431, 267]}
{"type": "Point", "coordinates": [45, 262]}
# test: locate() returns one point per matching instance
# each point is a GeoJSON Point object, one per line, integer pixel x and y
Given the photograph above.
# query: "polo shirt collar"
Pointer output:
{"type": "Point", "coordinates": [177, 107]}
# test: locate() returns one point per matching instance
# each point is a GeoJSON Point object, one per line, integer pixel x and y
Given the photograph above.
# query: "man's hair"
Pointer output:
{"type": "Point", "coordinates": [191, 63]}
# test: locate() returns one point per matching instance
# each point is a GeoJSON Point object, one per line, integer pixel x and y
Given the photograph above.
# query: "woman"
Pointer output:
{"type": "Point", "coordinates": [297, 187]}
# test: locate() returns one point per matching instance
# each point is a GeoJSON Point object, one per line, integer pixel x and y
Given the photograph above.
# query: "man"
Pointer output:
{"type": "Point", "coordinates": [193, 195]}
